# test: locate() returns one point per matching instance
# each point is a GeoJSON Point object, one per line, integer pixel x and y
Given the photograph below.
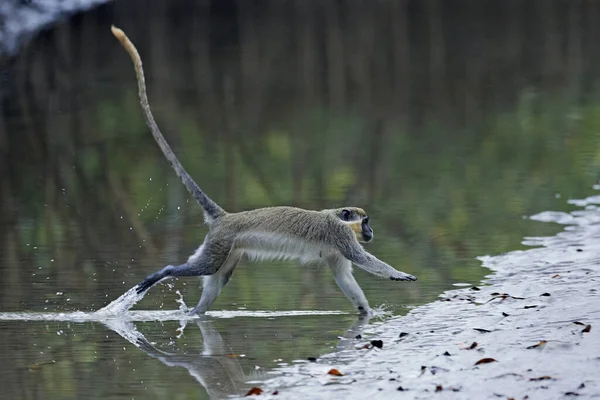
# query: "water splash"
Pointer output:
{"type": "Point", "coordinates": [119, 310]}
{"type": "Point", "coordinates": [182, 306]}
{"type": "Point", "coordinates": [123, 303]}
{"type": "Point", "coordinates": [156, 315]}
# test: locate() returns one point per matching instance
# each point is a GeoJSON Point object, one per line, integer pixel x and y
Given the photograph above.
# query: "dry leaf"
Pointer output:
{"type": "Point", "coordinates": [539, 344]}
{"type": "Point", "coordinates": [439, 388]}
{"type": "Point", "coordinates": [555, 276]}
{"type": "Point", "coordinates": [528, 307]}
{"type": "Point", "coordinates": [587, 329]}
{"type": "Point", "coordinates": [482, 330]}
{"type": "Point", "coordinates": [485, 361]}
{"type": "Point", "coordinates": [254, 391]}
{"type": "Point", "coordinates": [335, 372]}
{"type": "Point", "coordinates": [578, 323]}
{"type": "Point", "coordinates": [472, 346]}
{"type": "Point", "coordinates": [542, 378]}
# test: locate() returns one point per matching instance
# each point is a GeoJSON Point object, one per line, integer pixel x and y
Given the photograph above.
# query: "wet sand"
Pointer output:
{"type": "Point", "coordinates": [535, 320]}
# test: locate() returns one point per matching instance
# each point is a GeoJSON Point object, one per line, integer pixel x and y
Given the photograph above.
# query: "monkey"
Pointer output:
{"type": "Point", "coordinates": [333, 236]}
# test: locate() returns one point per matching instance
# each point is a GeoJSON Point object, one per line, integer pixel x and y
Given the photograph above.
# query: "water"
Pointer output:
{"type": "Point", "coordinates": [449, 133]}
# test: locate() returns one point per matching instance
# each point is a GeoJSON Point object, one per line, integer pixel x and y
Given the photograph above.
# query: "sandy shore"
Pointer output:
{"type": "Point", "coordinates": [535, 320]}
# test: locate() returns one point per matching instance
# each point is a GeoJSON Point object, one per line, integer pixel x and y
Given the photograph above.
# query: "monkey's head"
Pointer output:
{"type": "Point", "coordinates": [358, 220]}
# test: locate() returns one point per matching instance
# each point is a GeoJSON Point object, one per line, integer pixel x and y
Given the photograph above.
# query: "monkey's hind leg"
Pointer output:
{"type": "Point", "coordinates": [342, 271]}
{"type": "Point", "coordinates": [206, 261]}
{"type": "Point", "coordinates": [213, 284]}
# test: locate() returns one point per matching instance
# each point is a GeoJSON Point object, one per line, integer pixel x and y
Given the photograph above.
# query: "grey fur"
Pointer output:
{"type": "Point", "coordinates": [279, 233]}
{"type": "Point", "coordinates": [266, 233]}
{"type": "Point", "coordinates": [211, 209]}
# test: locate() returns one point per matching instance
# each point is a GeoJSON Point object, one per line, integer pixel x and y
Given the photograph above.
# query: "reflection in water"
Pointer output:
{"type": "Point", "coordinates": [216, 367]}
{"type": "Point", "coordinates": [83, 354]}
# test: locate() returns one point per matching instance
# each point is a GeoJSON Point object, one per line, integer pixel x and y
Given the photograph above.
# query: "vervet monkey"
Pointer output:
{"type": "Point", "coordinates": [332, 236]}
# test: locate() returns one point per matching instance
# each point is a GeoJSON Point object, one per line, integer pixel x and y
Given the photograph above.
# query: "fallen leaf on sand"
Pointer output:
{"type": "Point", "coordinates": [542, 378]}
{"type": "Point", "coordinates": [472, 346]}
{"type": "Point", "coordinates": [541, 343]}
{"type": "Point", "coordinates": [254, 391]}
{"type": "Point", "coordinates": [555, 276]}
{"type": "Point", "coordinates": [439, 388]}
{"type": "Point", "coordinates": [335, 372]}
{"type": "Point", "coordinates": [587, 329]}
{"type": "Point", "coordinates": [485, 361]}
{"type": "Point", "coordinates": [528, 307]}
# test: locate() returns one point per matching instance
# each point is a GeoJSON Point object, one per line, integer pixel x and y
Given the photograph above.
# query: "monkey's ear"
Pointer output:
{"type": "Point", "coordinates": [345, 215]}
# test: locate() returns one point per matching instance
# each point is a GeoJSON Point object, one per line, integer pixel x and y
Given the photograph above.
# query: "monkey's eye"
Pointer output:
{"type": "Point", "coordinates": [345, 215]}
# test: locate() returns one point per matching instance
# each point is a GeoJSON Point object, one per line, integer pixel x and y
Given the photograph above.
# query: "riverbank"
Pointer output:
{"type": "Point", "coordinates": [531, 330]}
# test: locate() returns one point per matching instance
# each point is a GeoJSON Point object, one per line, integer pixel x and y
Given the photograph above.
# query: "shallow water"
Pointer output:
{"type": "Point", "coordinates": [448, 151]}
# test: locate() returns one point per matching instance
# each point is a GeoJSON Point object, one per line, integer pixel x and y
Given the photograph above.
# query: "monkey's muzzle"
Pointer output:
{"type": "Point", "coordinates": [367, 232]}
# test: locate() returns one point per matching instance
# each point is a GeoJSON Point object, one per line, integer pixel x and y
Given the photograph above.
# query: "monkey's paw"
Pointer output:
{"type": "Point", "coordinates": [145, 284]}
{"type": "Point", "coordinates": [401, 276]}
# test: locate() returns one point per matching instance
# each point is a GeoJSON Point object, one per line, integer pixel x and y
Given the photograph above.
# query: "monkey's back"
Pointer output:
{"type": "Point", "coordinates": [285, 220]}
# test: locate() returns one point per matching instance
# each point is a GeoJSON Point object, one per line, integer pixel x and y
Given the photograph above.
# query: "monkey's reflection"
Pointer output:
{"type": "Point", "coordinates": [220, 374]}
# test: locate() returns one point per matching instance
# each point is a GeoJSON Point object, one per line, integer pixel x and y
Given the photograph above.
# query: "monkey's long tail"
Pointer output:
{"type": "Point", "coordinates": [212, 209]}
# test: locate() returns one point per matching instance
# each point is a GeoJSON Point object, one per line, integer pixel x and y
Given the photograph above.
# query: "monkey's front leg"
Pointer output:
{"type": "Point", "coordinates": [342, 271]}
{"type": "Point", "coordinates": [375, 266]}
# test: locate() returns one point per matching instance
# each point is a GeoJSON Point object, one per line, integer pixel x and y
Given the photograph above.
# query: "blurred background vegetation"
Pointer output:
{"type": "Point", "coordinates": [448, 121]}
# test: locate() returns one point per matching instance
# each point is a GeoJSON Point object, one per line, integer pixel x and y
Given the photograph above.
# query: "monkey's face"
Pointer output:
{"type": "Point", "coordinates": [358, 220]}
